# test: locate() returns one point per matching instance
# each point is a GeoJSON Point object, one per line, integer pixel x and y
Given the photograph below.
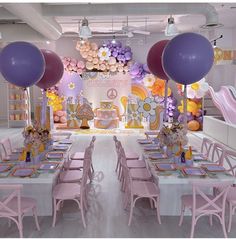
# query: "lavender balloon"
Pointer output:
{"type": "Point", "coordinates": [187, 58]}
{"type": "Point", "coordinates": [22, 64]}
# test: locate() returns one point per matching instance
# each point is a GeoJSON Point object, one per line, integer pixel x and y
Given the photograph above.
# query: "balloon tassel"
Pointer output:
{"type": "Point", "coordinates": [165, 101]}
{"type": "Point", "coordinates": [44, 106]}
{"type": "Point", "coordinates": [28, 105]}
{"type": "Point", "coordinates": [185, 108]}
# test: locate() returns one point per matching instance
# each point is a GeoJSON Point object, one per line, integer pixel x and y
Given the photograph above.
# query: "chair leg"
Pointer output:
{"type": "Point", "coordinates": [82, 213]}
{"type": "Point", "coordinates": [158, 210]}
{"type": "Point", "coordinates": [131, 211]}
{"type": "Point", "coordinates": [20, 226]}
{"type": "Point", "coordinates": [151, 203]}
{"type": "Point", "coordinates": [9, 222]}
{"type": "Point", "coordinates": [117, 165]}
{"type": "Point", "coordinates": [192, 226]}
{"type": "Point", "coordinates": [223, 225]}
{"type": "Point", "coordinates": [230, 216]}
{"type": "Point", "coordinates": [182, 214]}
{"type": "Point", "coordinates": [36, 218]}
{"type": "Point", "coordinates": [210, 219]}
{"type": "Point", "coordinates": [54, 212]}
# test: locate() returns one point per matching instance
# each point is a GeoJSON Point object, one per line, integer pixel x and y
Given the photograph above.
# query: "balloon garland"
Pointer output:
{"type": "Point", "coordinates": [73, 65]}
{"type": "Point", "coordinates": [110, 56]}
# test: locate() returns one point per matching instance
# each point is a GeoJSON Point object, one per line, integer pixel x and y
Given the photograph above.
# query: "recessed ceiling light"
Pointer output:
{"type": "Point", "coordinates": [48, 42]}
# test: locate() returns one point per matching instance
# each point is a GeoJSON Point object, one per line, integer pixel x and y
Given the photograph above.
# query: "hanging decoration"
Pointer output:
{"type": "Point", "coordinates": [73, 65]}
{"type": "Point", "coordinates": [138, 71]}
{"type": "Point", "coordinates": [110, 57]}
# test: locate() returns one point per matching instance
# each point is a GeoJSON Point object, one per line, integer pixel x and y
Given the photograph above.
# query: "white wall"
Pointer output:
{"type": "Point", "coordinates": [223, 74]}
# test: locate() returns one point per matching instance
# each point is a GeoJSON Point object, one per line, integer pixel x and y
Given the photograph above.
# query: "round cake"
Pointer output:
{"type": "Point", "coordinates": [106, 116]}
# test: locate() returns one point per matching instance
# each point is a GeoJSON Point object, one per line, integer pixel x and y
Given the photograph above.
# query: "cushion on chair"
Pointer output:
{"type": "Point", "coordinates": [145, 188]}
{"type": "Point", "coordinates": [71, 176]}
{"type": "Point", "coordinates": [65, 191]}
{"type": "Point", "coordinates": [77, 156]}
{"type": "Point", "coordinates": [136, 164]}
{"type": "Point", "coordinates": [140, 174]}
{"type": "Point", "coordinates": [131, 155]}
{"type": "Point", "coordinates": [231, 195]}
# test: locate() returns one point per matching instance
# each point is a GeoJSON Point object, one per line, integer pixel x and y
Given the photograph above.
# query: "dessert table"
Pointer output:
{"type": "Point", "coordinates": [173, 183]}
{"type": "Point", "coordinates": [39, 185]}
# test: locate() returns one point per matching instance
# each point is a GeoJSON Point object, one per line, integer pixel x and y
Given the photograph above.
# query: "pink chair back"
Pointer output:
{"type": "Point", "coordinates": [218, 153]}
{"type": "Point", "coordinates": [229, 161]}
{"type": "Point", "coordinates": [6, 144]}
{"type": "Point", "coordinates": [206, 146]}
{"type": "Point", "coordinates": [209, 205]}
{"type": "Point", "coordinates": [13, 190]}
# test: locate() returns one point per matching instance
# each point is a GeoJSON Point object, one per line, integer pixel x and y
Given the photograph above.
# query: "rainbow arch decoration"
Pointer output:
{"type": "Point", "coordinates": [139, 90]}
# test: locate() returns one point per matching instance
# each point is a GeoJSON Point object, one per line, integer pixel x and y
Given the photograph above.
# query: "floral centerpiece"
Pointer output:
{"type": "Point", "coordinates": [36, 140]}
{"type": "Point", "coordinates": [173, 136]}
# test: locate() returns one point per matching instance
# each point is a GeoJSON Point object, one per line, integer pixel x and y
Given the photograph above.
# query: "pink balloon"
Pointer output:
{"type": "Point", "coordinates": [56, 118]}
{"type": "Point", "coordinates": [53, 71]}
{"type": "Point", "coordinates": [154, 59]}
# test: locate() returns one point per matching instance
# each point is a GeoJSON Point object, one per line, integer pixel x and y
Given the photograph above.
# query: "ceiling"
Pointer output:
{"type": "Point", "coordinates": [109, 18]}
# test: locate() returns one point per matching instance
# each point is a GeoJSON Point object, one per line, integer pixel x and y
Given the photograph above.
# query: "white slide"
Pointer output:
{"type": "Point", "coordinates": [225, 101]}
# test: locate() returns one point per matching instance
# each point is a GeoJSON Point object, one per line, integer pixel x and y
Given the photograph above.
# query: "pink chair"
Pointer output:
{"type": "Point", "coordinates": [14, 206]}
{"type": "Point", "coordinates": [72, 191]}
{"type": "Point", "coordinates": [131, 163]}
{"type": "Point", "coordinates": [218, 153]}
{"type": "Point", "coordinates": [73, 176]}
{"type": "Point", "coordinates": [136, 190]}
{"type": "Point", "coordinates": [129, 155]}
{"type": "Point", "coordinates": [202, 204]}
{"type": "Point", "coordinates": [8, 149]}
{"type": "Point", "coordinates": [206, 146]}
{"type": "Point", "coordinates": [141, 174]}
{"type": "Point", "coordinates": [77, 165]}
{"type": "Point", "coordinates": [230, 165]}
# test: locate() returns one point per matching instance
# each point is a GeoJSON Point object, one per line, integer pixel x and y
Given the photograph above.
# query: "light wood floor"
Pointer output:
{"type": "Point", "coordinates": [106, 216]}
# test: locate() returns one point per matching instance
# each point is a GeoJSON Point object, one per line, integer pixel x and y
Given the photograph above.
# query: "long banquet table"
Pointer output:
{"type": "Point", "coordinates": [39, 187]}
{"type": "Point", "coordinates": [173, 184]}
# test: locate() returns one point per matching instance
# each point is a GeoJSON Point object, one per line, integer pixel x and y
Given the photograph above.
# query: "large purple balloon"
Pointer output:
{"type": "Point", "coordinates": [154, 59]}
{"type": "Point", "coordinates": [22, 64]}
{"type": "Point", "coordinates": [187, 58]}
{"type": "Point", "coordinates": [53, 71]}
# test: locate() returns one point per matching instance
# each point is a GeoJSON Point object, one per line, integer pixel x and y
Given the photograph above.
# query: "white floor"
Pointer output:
{"type": "Point", "coordinates": [106, 216]}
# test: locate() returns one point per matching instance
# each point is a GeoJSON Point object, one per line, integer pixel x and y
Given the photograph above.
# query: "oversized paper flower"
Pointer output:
{"type": "Point", "coordinates": [192, 107]}
{"type": "Point", "coordinates": [197, 89]}
{"type": "Point", "coordinates": [147, 107]}
{"type": "Point", "coordinates": [158, 88]}
{"type": "Point", "coordinates": [149, 80]}
{"type": "Point", "coordinates": [104, 53]}
{"type": "Point", "coordinates": [71, 85]}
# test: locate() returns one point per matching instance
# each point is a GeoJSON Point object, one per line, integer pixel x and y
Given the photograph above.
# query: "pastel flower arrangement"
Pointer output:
{"type": "Point", "coordinates": [172, 134]}
{"type": "Point", "coordinates": [36, 140]}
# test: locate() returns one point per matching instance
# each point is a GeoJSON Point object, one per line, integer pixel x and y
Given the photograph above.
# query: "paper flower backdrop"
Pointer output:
{"type": "Point", "coordinates": [138, 71]}
{"type": "Point", "coordinates": [110, 56]}
{"type": "Point", "coordinates": [149, 80]}
{"type": "Point", "coordinates": [73, 65]}
{"type": "Point", "coordinates": [147, 106]}
{"type": "Point", "coordinates": [158, 88]}
{"type": "Point", "coordinates": [196, 90]}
